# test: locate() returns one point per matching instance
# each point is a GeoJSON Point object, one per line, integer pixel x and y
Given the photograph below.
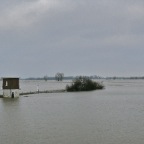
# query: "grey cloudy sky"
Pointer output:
{"type": "Point", "coordinates": [82, 37]}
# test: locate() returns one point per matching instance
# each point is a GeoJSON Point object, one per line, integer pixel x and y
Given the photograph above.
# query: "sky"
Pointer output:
{"type": "Point", "coordinates": [82, 37]}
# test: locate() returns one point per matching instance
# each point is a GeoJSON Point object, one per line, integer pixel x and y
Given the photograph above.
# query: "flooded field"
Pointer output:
{"type": "Point", "coordinates": [114, 115]}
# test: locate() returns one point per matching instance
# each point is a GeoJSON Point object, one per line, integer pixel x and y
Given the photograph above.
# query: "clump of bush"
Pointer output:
{"type": "Point", "coordinates": [83, 83]}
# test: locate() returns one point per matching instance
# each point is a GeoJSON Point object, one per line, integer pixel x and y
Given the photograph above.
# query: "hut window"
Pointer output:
{"type": "Point", "coordinates": [6, 83]}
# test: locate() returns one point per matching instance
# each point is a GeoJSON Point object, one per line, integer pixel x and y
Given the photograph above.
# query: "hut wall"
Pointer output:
{"type": "Point", "coordinates": [8, 92]}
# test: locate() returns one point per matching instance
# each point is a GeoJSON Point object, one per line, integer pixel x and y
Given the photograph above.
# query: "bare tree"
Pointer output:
{"type": "Point", "coordinates": [45, 77]}
{"type": "Point", "coordinates": [59, 76]}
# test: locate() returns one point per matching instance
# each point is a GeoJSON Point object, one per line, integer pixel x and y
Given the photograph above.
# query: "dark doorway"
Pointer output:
{"type": "Point", "coordinates": [12, 96]}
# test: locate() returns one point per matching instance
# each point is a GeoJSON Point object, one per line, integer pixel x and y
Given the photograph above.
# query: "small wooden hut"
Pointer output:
{"type": "Point", "coordinates": [10, 87]}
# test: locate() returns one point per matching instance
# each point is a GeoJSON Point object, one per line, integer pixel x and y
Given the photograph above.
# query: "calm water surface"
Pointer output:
{"type": "Point", "coordinates": [111, 116]}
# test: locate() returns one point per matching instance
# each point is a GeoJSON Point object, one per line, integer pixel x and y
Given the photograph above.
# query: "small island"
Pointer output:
{"type": "Point", "coordinates": [84, 83]}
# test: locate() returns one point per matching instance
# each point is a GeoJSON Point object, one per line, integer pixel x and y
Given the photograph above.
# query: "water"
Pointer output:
{"type": "Point", "coordinates": [114, 115]}
{"type": "Point", "coordinates": [34, 85]}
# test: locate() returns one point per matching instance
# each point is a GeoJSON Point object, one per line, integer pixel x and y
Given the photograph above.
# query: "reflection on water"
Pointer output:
{"type": "Point", "coordinates": [111, 116]}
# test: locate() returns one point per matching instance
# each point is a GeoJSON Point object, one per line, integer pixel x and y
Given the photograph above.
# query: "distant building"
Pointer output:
{"type": "Point", "coordinates": [10, 87]}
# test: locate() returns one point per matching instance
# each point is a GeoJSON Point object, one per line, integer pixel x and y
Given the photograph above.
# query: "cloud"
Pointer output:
{"type": "Point", "coordinates": [136, 11]}
{"type": "Point", "coordinates": [26, 13]}
{"type": "Point", "coordinates": [54, 35]}
{"type": "Point", "coordinates": [128, 41]}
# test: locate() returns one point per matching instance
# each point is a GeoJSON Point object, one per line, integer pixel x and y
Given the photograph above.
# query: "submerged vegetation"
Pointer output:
{"type": "Point", "coordinates": [83, 83]}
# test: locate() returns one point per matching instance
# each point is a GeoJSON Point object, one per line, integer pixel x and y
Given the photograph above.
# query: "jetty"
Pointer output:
{"type": "Point", "coordinates": [41, 92]}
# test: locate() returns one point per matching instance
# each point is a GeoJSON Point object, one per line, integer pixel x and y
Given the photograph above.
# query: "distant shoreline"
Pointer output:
{"type": "Point", "coordinates": [92, 77]}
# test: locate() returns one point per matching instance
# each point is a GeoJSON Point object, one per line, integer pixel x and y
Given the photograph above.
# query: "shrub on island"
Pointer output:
{"type": "Point", "coordinates": [83, 83]}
